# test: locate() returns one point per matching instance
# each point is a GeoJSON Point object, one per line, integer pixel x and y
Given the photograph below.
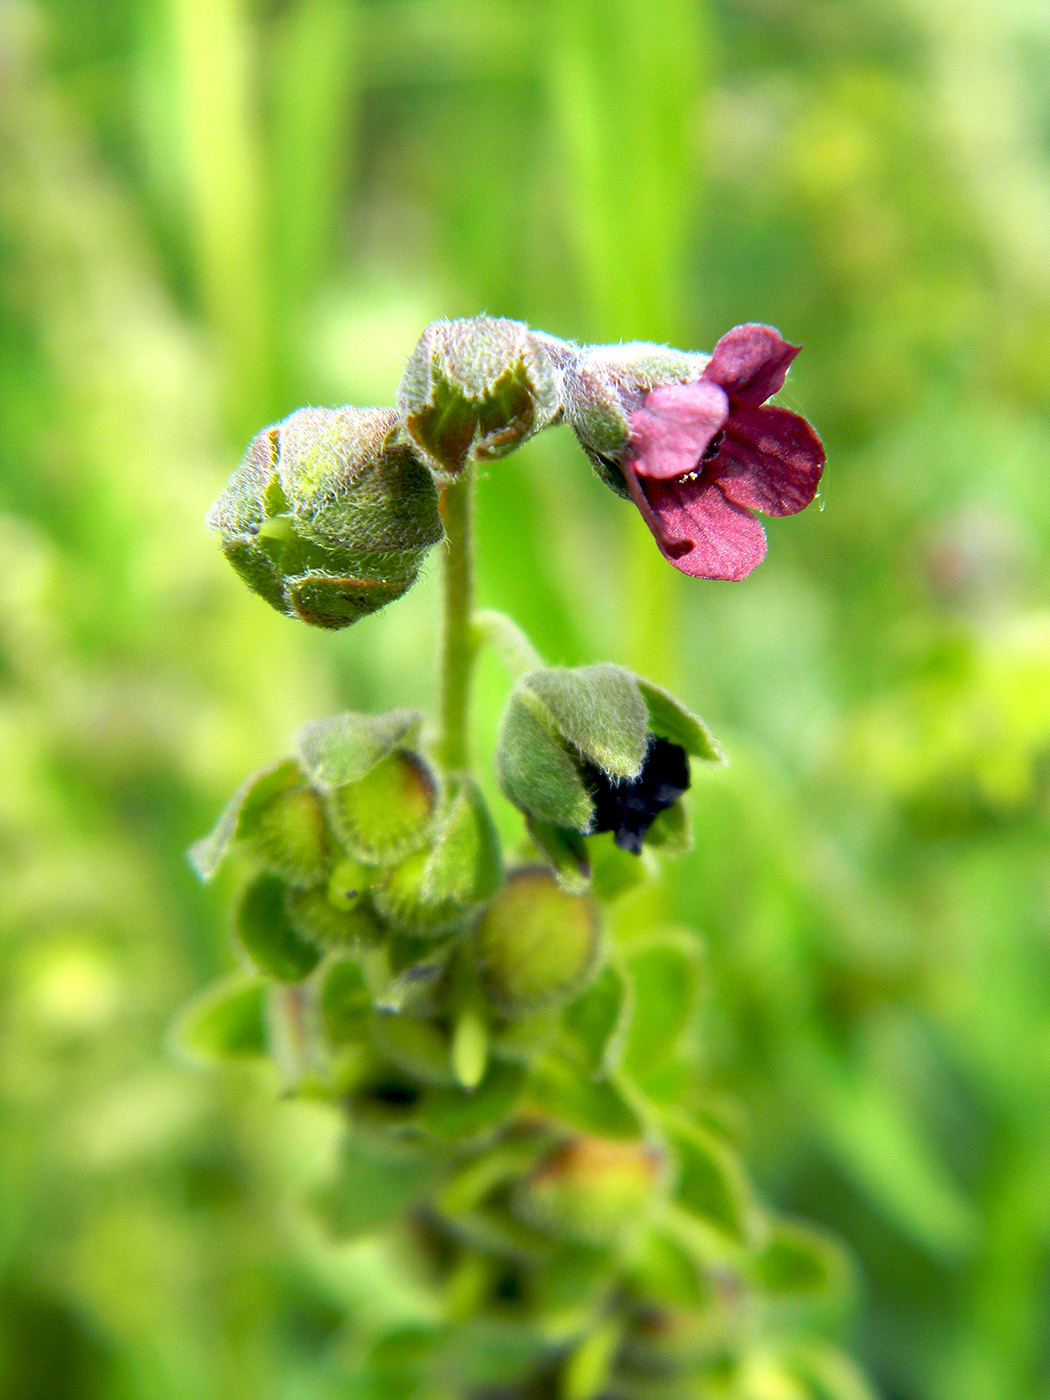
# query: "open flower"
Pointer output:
{"type": "Point", "coordinates": [702, 456]}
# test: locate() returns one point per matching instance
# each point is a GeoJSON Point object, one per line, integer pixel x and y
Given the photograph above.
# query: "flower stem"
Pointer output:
{"type": "Point", "coordinates": [458, 643]}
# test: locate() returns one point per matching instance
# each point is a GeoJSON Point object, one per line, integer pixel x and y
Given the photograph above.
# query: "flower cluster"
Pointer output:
{"type": "Point", "coordinates": [332, 511]}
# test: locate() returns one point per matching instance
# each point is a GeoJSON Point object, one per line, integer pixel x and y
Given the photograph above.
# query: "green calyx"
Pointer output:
{"type": "Point", "coordinates": [329, 516]}
{"type": "Point", "coordinates": [562, 725]}
{"type": "Point", "coordinates": [476, 388]}
{"type": "Point", "coordinates": [596, 1191]}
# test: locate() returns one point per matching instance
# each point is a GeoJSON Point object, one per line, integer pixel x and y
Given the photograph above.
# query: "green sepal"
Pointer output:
{"type": "Point", "coordinates": [711, 1181]}
{"type": "Point", "coordinates": [316, 919]}
{"type": "Point", "coordinates": [560, 718]}
{"type": "Point", "coordinates": [436, 889]}
{"type": "Point", "coordinates": [452, 1113]}
{"type": "Point", "coordinates": [345, 748]}
{"type": "Point", "coordinates": [226, 1021]}
{"type": "Point", "coordinates": [665, 979]}
{"type": "Point", "coordinates": [384, 816]}
{"type": "Point", "coordinates": [265, 929]}
{"type": "Point", "coordinates": [369, 1190]}
{"type": "Point", "coordinates": [345, 1003]}
{"type": "Point", "coordinates": [669, 719]}
{"type": "Point", "coordinates": [671, 833]}
{"type": "Point", "coordinates": [536, 945]}
{"type": "Point", "coordinates": [593, 1106]}
{"type": "Point", "coordinates": [613, 871]}
{"type": "Point", "coordinates": [567, 852]}
{"type": "Point", "coordinates": [595, 1024]}
{"type": "Point", "coordinates": [207, 854]}
{"type": "Point", "coordinates": [799, 1268]}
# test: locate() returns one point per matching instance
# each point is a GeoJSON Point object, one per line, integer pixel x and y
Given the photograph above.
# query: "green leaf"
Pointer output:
{"type": "Point", "coordinates": [665, 982]}
{"type": "Point", "coordinates": [226, 1021]}
{"type": "Point", "coordinates": [596, 1022]}
{"type": "Point", "coordinates": [270, 939]}
{"type": "Point", "coordinates": [453, 1112]}
{"type": "Point", "coordinates": [344, 748]}
{"type": "Point", "coordinates": [598, 710]}
{"type": "Point", "coordinates": [369, 1190]}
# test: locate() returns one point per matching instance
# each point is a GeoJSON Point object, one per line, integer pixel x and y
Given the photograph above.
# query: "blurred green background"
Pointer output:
{"type": "Point", "coordinates": [212, 211]}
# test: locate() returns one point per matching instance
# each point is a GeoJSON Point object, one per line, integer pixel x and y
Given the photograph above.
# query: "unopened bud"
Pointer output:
{"type": "Point", "coordinates": [593, 1190]}
{"type": "Point", "coordinates": [536, 945]}
{"type": "Point", "coordinates": [478, 387]}
{"type": "Point", "coordinates": [329, 515]}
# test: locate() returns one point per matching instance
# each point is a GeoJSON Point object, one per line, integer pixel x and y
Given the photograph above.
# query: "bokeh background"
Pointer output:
{"type": "Point", "coordinates": [212, 211]}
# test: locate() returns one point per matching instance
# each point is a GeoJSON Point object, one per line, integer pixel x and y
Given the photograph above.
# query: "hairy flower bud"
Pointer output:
{"type": "Point", "coordinates": [329, 516]}
{"type": "Point", "coordinates": [593, 1190]}
{"type": "Point", "coordinates": [477, 387]}
{"type": "Point", "coordinates": [536, 945]}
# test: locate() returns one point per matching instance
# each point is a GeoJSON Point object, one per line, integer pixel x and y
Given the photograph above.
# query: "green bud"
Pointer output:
{"type": "Point", "coordinates": [478, 387]}
{"type": "Point", "coordinates": [604, 384]}
{"type": "Point", "coordinates": [270, 939]}
{"type": "Point", "coordinates": [329, 516]}
{"type": "Point", "coordinates": [593, 1190]}
{"type": "Point", "coordinates": [440, 887]}
{"type": "Point", "coordinates": [388, 813]}
{"type": "Point", "coordinates": [349, 882]}
{"type": "Point", "coordinates": [536, 945]}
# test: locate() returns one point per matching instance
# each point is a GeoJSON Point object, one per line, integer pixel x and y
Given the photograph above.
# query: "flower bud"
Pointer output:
{"type": "Point", "coordinates": [536, 945]}
{"type": "Point", "coordinates": [329, 515]}
{"type": "Point", "coordinates": [592, 1190]}
{"type": "Point", "coordinates": [477, 387]}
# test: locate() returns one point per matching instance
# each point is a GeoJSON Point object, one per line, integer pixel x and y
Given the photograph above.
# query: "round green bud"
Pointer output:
{"type": "Point", "coordinates": [287, 830]}
{"type": "Point", "coordinates": [536, 945]}
{"type": "Point", "coordinates": [592, 1190]}
{"type": "Point", "coordinates": [349, 882]}
{"type": "Point", "coordinates": [319, 920]}
{"type": "Point", "coordinates": [330, 514]}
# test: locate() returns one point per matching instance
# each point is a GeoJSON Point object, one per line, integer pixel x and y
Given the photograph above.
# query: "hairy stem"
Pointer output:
{"type": "Point", "coordinates": [459, 643]}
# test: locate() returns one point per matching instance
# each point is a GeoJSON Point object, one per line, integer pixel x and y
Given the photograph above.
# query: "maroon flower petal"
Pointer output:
{"type": "Point", "coordinates": [750, 363]}
{"type": "Point", "coordinates": [674, 428]}
{"type": "Point", "coordinates": [728, 542]}
{"type": "Point", "coordinates": [770, 460]}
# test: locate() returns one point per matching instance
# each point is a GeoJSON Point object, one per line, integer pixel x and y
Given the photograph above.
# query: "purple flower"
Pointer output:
{"type": "Point", "coordinates": [702, 456]}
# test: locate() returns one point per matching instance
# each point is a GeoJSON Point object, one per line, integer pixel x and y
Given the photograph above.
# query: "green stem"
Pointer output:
{"type": "Point", "coordinates": [458, 643]}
